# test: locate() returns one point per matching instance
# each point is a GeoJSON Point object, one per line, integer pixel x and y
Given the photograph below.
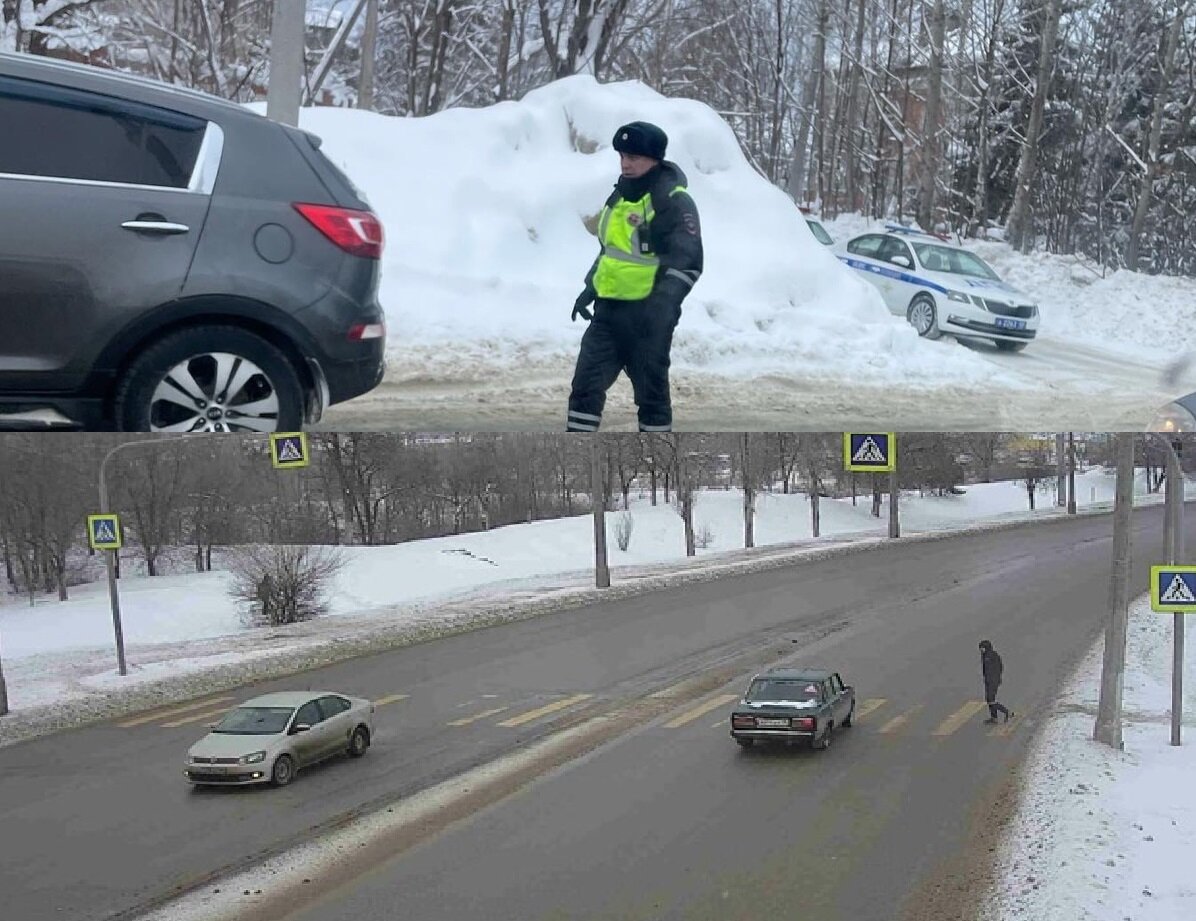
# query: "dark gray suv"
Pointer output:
{"type": "Point", "coordinates": [173, 262]}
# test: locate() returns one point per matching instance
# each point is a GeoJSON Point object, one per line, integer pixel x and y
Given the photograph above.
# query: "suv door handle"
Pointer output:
{"type": "Point", "coordinates": [159, 227]}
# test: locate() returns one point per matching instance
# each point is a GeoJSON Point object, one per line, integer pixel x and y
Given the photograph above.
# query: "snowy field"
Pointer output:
{"type": "Point", "coordinates": [485, 213]}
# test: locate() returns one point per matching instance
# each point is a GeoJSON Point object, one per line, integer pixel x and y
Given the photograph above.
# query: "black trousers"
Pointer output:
{"type": "Point", "coordinates": [990, 698]}
{"type": "Point", "coordinates": [625, 336]}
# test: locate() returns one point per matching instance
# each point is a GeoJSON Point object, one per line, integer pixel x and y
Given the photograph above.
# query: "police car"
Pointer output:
{"type": "Point", "coordinates": [941, 288]}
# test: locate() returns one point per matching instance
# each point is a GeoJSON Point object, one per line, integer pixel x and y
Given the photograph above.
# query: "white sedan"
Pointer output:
{"type": "Point", "coordinates": [268, 739]}
{"type": "Point", "coordinates": [941, 288]}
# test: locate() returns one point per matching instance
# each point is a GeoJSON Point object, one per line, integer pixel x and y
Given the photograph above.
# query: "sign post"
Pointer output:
{"type": "Point", "coordinates": [104, 536]}
{"type": "Point", "coordinates": [875, 452]}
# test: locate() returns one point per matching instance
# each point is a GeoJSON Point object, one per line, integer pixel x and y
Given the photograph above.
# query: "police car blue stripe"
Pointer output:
{"type": "Point", "coordinates": [893, 273]}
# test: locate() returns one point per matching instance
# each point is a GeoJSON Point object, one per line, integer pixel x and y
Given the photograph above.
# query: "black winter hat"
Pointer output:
{"type": "Point", "coordinates": [641, 138]}
{"type": "Point", "coordinates": [985, 645]}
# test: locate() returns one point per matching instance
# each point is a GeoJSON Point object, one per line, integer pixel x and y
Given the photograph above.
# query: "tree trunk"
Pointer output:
{"type": "Point", "coordinates": [930, 123]}
{"type": "Point", "coordinates": [1020, 227]}
{"type": "Point", "coordinates": [1146, 191]}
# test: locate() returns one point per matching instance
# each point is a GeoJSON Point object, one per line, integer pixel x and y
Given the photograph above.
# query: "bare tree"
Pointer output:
{"type": "Point", "coordinates": [284, 584]}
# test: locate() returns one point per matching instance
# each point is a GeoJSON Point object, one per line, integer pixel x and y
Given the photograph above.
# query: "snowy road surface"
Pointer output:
{"type": "Point", "coordinates": [1053, 384]}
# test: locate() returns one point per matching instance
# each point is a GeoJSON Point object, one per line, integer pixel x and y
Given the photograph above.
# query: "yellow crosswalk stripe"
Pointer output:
{"type": "Point", "coordinates": [700, 710]}
{"type": "Point", "coordinates": [172, 711]}
{"type": "Point", "coordinates": [532, 715]}
{"type": "Point", "coordinates": [197, 718]}
{"type": "Point", "coordinates": [1006, 729]}
{"type": "Point", "coordinates": [478, 716]}
{"type": "Point", "coordinates": [898, 722]}
{"type": "Point", "coordinates": [383, 701]}
{"type": "Point", "coordinates": [864, 707]}
{"type": "Point", "coordinates": [959, 717]}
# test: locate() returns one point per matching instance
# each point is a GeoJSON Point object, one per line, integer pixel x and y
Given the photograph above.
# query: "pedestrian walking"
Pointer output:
{"type": "Point", "coordinates": [650, 257]}
{"type": "Point", "coordinates": [992, 668]}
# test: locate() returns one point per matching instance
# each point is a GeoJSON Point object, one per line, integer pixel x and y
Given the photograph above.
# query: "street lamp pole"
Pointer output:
{"type": "Point", "coordinates": [110, 555]}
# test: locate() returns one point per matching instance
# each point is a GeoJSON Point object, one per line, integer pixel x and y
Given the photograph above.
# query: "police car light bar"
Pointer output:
{"type": "Point", "coordinates": [913, 231]}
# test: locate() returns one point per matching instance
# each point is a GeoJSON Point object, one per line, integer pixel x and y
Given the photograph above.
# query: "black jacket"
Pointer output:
{"type": "Point", "coordinates": [991, 665]}
{"type": "Point", "coordinates": [675, 233]}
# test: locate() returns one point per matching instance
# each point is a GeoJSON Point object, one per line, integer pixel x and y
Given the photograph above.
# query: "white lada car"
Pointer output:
{"type": "Point", "coordinates": [941, 288]}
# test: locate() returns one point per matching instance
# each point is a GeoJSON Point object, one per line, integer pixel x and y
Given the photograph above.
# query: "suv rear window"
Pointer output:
{"type": "Point", "coordinates": [66, 134]}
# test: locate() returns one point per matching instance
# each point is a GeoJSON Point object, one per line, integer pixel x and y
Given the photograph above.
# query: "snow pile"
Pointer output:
{"type": "Point", "coordinates": [1104, 835]}
{"type": "Point", "coordinates": [487, 245]}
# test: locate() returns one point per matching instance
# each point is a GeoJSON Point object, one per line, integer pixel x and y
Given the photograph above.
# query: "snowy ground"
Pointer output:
{"type": "Point", "coordinates": [1103, 835]}
{"type": "Point", "coordinates": [485, 213]}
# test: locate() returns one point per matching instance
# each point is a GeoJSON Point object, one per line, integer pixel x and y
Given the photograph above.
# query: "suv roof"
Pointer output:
{"type": "Point", "coordinates": [115, 82]}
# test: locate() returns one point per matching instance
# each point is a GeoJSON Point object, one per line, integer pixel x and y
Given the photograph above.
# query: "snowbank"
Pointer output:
{"type": "Point", "coordinates": [484, 212]}
{"type": "Point", "coordinates": [1102, 835]}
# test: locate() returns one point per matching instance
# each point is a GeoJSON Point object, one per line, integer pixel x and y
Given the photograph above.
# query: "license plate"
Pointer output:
{"type": "Point", "coordinates": [765, 723]}
{"type": "Point", "coordinates": [1005, 323]}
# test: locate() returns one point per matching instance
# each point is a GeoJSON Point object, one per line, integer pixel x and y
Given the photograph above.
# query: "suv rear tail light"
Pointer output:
{"type": "Point", "coordinates": [743, 722]}
{"type": "Point", "coordinates": [358, 233]}
{"type": "Point", "coordinates": [803, 722]}
{"type": "Point", "coordinates": [360, 332]}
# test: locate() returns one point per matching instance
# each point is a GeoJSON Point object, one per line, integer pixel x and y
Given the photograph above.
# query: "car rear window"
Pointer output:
{"type": "Point", "coordinates": [66, 134]}
{"type": "Point", "coordinates": [255, 721]}
{"type": "Point", "coordinates": [778, 689]}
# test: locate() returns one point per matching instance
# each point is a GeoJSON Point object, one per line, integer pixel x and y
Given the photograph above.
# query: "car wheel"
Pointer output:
{"type": "Point", "coordinates": [744, 743]}
{"type": "Point", "coordinates": [210, 379]}
{"type": "Point", "coordinates": [923, 316]}
{"type": "Point", "coordinates": [359, 742]}
{"type": "Point", "coordinates": [283, 771]}
{"type": "Point", "coordinates": [825, 742]}
{"type": "Point", "coordinates": [850, 716]}
{"type": "Point", "coordinates": [1006, 346]}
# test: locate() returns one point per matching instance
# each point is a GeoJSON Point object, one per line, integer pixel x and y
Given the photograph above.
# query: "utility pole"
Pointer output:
{"type": "Point", "coordinates": [598, 500]}
{"type": "Point", "coordinates": [1060, 472]}
{"type": "Point", "coordinates": [369, 48]}
{"type": "Point", "coordinates": [1108, 715]}
{"type": "Point", "coordinates": [1071, 473]}
{"type": "Point", "coordinates": [3, 692]}
{"type": "Point", "coordinates": [894, 515]}
{"type": "Point", "coordinates": [286, 61]}
{"type": "Point", "coordinates": [1175, 553]}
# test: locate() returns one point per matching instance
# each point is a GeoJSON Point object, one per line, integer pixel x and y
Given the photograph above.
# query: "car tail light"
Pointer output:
{"type": "Point", "coordinates": [743, 722]}
{"type": "Point", "coordinates": [358, 233]}
{"type": "Point", "coordinates": [360, 332]}
{"type": "Point", "coordinates": [803, 722]}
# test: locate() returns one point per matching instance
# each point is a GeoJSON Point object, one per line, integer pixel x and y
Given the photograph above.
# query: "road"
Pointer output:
{"type": "Point", "coordinates": [1054, 385]}
{"type": "Point", "coordinates": [98, 821]}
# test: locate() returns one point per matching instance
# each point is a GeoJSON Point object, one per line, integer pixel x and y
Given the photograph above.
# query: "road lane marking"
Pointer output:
{"type": "Point", "coordinates": [478, 716]}
{"type": "Point", "coordinates": [700, 710]}
{"type": "Point", "coordinates": [1006, 729]}
{"type": "Point", "coordinates": [198, 718]}
{"type": "Point", "coordinates": [172, 711]}
{"type": "Point", "coordinates": [383, 701]}
{"type": "Point", "coordinates": [898, 722]}
{"type": "Point", "coordinates": [867, 706]}
{"type": "Point", "coordinates": [959, 717]}
{"type": "Point", "coordinates": [532, 715]}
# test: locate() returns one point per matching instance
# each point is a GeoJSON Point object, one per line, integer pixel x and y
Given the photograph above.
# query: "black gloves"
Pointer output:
{"type": "Point", "coordinates": [583, 301]}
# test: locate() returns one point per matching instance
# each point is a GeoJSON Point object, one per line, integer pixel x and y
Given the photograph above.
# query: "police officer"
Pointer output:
{"type": "Point", "coordinates": [650, 257]}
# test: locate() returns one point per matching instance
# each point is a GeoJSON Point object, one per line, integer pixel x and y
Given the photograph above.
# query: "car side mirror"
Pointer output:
{"type": "Point", "coordinates": [903, 261]}
{"type": "Point", "coordinates": [302, 727]}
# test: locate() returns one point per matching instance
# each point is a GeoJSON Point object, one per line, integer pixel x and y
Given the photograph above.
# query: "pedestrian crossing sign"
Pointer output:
{"type": "Point", "coordinates": [874, 452]}
{"type": "Point", "coordinates": [288, 449]}
{"type": "Point", "coordinates": [103, 532]}
{"type": "Point", "coordinates": [1173, 589]}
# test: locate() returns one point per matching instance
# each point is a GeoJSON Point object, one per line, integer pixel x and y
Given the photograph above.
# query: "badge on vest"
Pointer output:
{"type": "Point", "coordinates": [635, 219]}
